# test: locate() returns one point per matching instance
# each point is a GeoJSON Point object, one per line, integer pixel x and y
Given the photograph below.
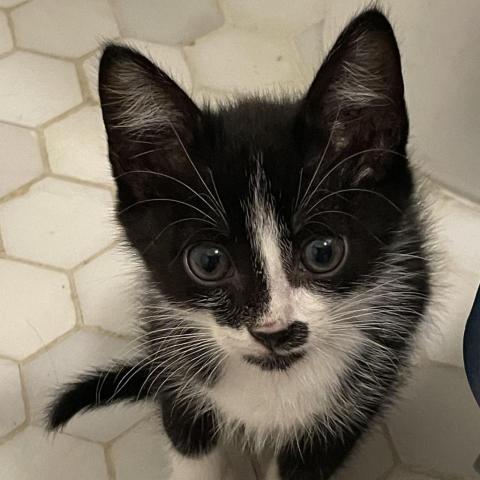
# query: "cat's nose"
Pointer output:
{"type": "Point", "coordinates": [295, 335]}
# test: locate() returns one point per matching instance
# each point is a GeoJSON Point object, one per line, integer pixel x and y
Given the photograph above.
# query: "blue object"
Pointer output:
{"type": "Point", "coordinates": [471, 348]}
{"type": "Point", "coordinates": [471, 354]}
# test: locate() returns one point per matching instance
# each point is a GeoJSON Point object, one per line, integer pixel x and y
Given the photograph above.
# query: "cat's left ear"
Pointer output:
{"type": "Point", "coordinates": [356, 101]}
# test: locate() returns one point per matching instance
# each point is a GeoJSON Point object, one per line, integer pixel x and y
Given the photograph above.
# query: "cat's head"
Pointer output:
{"type": "Point", "coordinates": [266, 224]}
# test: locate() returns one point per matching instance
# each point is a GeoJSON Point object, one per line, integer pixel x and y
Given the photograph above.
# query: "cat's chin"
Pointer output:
{"type": "Point", "coordinates": [274, 361]}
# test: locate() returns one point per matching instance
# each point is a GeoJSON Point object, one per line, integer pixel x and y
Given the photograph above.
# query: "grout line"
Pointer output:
{"type": "Point", "coordinates": [13, 33]}
{"type": "Point", "coordinates": [81, 181]}
{"type": "Point", "coordinates": [87, 327]}
{"type": "Point", "coordinates": [50, 345]}
{"type": "Point", "coordinates": [35, 263]}
{"type": "Point", "coordinates": [54, 56]}
{"type": "Point", "coordinates": [26, 407]}
{"type": "Point", "coordinates": [14, 7]}
{"type": "Point", "coordinates": [432, 473]}
{"type": "Point", "coordinates": [453, 194]}
{"type": "Point", "coordinates": [83, 78]}
{"type": "Point", "coordinates": [97, 254]}
{"type": "Point", "coordinates": [63, 115]}
{"type": "Point", "coordinates": [391, 444]}
{"type": "Point", "coordinates": [75, 300]}
{"type": "Point", "coordinates": [438, 363]}
{"type": "Point", "coordinates": [21, 190]}
{"type": "Point", "coordinates": [111, 472]}
{"type": "Point", "coordinates": [42, 144]}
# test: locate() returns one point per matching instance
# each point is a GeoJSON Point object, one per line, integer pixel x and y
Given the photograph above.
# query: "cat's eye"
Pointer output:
{"type": "Point", "coordinates": [207, 262]}
{"type": "Point", "coordinates": [324, 254]}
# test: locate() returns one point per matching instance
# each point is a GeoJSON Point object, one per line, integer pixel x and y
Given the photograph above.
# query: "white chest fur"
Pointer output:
{"type": "Point", "coordinates": [271, 407]}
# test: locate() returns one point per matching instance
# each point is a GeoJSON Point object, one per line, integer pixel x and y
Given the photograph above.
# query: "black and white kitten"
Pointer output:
{"type": "Point", "coordinates": [284, 258]}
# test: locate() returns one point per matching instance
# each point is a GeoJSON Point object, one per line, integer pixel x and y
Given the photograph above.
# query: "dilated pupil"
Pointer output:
{"type": "Point", "coordinates": [209, 260]}
{"type": "Point", "coordinates": [322, 252]}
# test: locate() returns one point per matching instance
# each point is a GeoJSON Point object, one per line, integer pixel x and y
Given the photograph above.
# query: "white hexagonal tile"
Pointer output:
{"type": "Point", "coordinates": [105, 287]}
{"type": "Point", "coordinates": [164, 21]}
{"type": "Point", "coordinates": [310, 47]}
{"type": "Point", "coordinates": [401, 474]}
{"type": "Point", "coordinates": [169, 58]}
{"type": "Point", "coordinates": [437, 426]}
{"type": "Point", "coordinates": [32, 455]}
{"type": "Point", "coordinates": [6, 42]}
{"type": "Point", "coordinates": [458, 225]}
{"type": "Point", "coordinates": [20, 158]}
{"type": "Point", "coordinates": [68, 27]}
{"type": "Point", "coordinates": [456, 292]}
{"type": "Point", "coordinates": [371, 459]}
{"type": "Point", "coordinates": [76, 354]}
{"type": "Point", "coordinates": [10, 3]}
{"type": "Point", "coordinates": [142, 453]}
{"type": "Point", "coordinates": [12, 413]}
{"type": "Point", "coordinates": [68, 223]}
{"type": "Point", "coordinates": [280, 14]}
{"type": "Point", "coordinates": [77, 146]}
{"type": "Point", "coordinates": [244, 61]}
{"type": "Point", "coordinates": [35, 308]}
{"type": "Point", "coordinates": [35, 89]}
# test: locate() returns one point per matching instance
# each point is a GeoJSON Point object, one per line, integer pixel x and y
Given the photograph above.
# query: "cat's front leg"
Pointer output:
{"type": "Point", "coordinates": [193, 434]}
{"type": "Point", "coordinates": [315, 458]}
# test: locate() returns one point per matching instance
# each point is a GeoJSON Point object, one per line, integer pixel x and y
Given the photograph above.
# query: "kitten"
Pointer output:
{"type": "Point", "coordinates": [284, 257]}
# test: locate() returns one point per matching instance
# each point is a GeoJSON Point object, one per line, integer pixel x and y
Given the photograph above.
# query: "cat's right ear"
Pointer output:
{"type": "Point", "coordinates": [150, 122]}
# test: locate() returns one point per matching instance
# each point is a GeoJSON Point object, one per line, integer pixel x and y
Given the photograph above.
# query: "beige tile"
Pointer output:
{"type": "Point", "coordinates": [400, 474]}
{"type": "Point", "coordinates": [309, 44]}
{"type": "Point", "coordinates": [458, 226]}
{"type": "Point", "coordinates": [437, 425]}
{"type": "Point", "coordinates": [35, 89]}
{"type": "Point", "coordinates": [79, 353]}
{"type": "Point", "coordinates": [31, 455]}
{"type": "Point", "coordinates": [57, 222]}
{"type": "Point", "coordinates": [12, 413]}
{"type": "Point", "coordinates": [283, 15]}
{"type": "Point", "coordinates": [68, 27]}
{"type": "Point", "coordinates": [35, 307]}
{"type": "Point", "coordinates": [371, 459]}
{"type": "Point", "coordinates": [244, 61]}
{"type": "Point", "coordinates": [10, 3]}
{"type": "Point", "coordinates": [456, 292]}
{"type": "Point", "coordinates": [6, 42]}
{"type": "Point", "coordinates": [77, 146]}
{"type": "Point", "coordinates": [20, 159]}
{"type": "Point", "coordinates": [105, 288]}
{"type": "Point", "coordinates": [142, 453]}
{"type": "Point", "coordinates": [164, 21]}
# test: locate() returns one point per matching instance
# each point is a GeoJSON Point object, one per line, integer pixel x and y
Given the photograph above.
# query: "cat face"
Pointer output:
{"type": "Point", "coordinates": [266, 224]}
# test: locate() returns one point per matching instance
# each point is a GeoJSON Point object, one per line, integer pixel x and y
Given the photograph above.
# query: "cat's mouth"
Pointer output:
{"type": "Point", "coordinates": [274, 361]}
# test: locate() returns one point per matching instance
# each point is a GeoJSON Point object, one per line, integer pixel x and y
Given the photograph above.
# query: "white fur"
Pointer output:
{"type": "Point", "coordinates": [264, 232]}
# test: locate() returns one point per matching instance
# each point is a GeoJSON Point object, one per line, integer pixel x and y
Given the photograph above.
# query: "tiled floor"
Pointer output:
{"type": "Point", "coordinates": [64, 299]}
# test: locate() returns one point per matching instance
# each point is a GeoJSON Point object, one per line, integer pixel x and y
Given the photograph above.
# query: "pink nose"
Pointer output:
{"type": "Point", "coordinates": [291, 336]}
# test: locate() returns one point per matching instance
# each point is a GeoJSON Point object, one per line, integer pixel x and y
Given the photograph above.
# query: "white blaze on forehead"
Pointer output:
{"type": "Point", "coordinates": [265, 234]}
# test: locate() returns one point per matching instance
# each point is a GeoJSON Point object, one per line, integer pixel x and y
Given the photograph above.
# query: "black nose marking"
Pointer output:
{"type": "Point", "coordinates": [292, 337]}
